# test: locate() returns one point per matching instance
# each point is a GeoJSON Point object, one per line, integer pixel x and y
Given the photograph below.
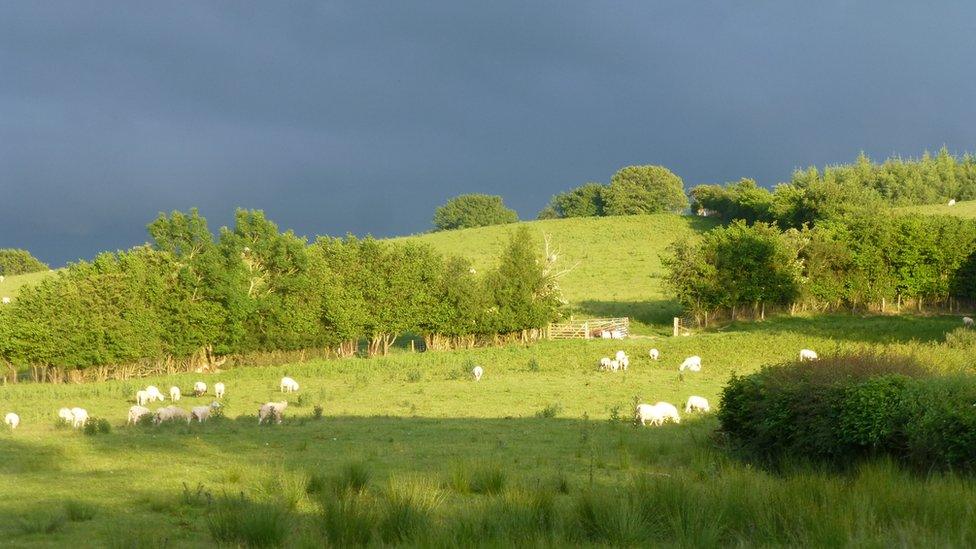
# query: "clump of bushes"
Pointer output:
{"type": "Point", "coordinates": [840, 410]}
{"type": "Point", "coordinates": [96, 426]}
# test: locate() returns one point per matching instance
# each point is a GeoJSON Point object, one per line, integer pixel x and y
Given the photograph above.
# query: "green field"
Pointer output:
{"type": "Point", "coordinates": [11, 284]}
{"type": "Point", "coordinates": [420, 419]}
{"type": "Point", "coordinates": [615, 261]}
{"type": "Point", "coordinates": [965, 209]}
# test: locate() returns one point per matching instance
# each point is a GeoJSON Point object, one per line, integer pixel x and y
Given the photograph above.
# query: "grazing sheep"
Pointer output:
{"type": "Point", "coordinates": [5, 300]}
{"type": "Point", "coordinates": [620, 355]}
{"type": "Point", "coordinates": [272, 410]}
{"type": "Point", "coordinates": [219, 389]}
{"type": "Point", "coordinates": [656, 414]}
{"type": "Point", "coordinates": [175, 394]}
{"type": "Point", "coordinates": [967, 322]}
{"type": "Point", "coordinates": [142, 397]}
{"type": "Point", "coordinates": [692, 363]}
{"type": "Point", "coordinates": [155, 394]}
{"type": "Point", "coordinates": [199, 388]}
{"type": "Point", "coordinates": [288, 385]}
{"type": "Point", "coordinates": [477, 372]}
{"type": "Point", "coordinates": [605, 335]}
{"type": "Point", "coordinates": [135, 413]}
{"type": "Point", "coordinates": [614, 365]}
{"type": "Point", "coordinates": [65, 415]}
{"type": "Point", "coordinates": [654, 354]}
{"type": "Point", "coordinates": [616, 334]}
{"type": "Point", "coordinates": [1, 278]}
{"type": "Point", "coordinates": [807, 354]}
{"type": "Point", "coordinates": [605, 363]}
{"type": "Point", "coordinates": [79, 416]}
{"type": "Point", "coordinates": [697, 403]}
{"type": "Point", "coordinates": [952, 202]}
{"type": "Point", "coordinates": [202, 413]}
{"type": "Point", "coordinates": [624, 362]}
{"type": "Point", "coordinates": [12, 419]}
{"type": "Point", "coordinates": [170, 413]}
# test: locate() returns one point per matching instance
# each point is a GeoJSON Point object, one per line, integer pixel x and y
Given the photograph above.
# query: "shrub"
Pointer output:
{"type": "Point", "coordinates": [644, 190]}
{"type": "Point", "coordinates": [961, 338]}
{"type": "Point", "coordinates": [96, 426]}
{"type": "Point", "coordinates": [839, 410]}
{"type": "Point", "coordinates": [234, 520]}
{"type": "Point", "coordinates": [550, 411]}
{"type": "Point", "coordinates": [473, 210]}
{"type": "Point", "coordinates": [15, 262]}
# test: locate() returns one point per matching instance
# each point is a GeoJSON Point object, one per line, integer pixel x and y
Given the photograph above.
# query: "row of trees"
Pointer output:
{"type": "Point", "coordinates": [15, 262]}
{"type": "Point", "coordinates": [861, 262]}
{"type": "Point", "coordinates": [813, 195]}
{"type": "Point", "coordinates": [191, 296]}
{"type": "Point", "coordinates": [632, 190]}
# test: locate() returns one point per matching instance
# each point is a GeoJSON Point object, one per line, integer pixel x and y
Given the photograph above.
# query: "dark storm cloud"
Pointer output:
{"type": "Point", "coordinates": [364, 116]}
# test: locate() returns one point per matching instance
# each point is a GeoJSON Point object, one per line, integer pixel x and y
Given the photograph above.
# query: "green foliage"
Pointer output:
{"type": "Point", "coordinates": [241, 521]}
{"type": "Point", "coordinates": [473, 210]}
{"type": "Point", "coordinates": [644, 190]}
{"type": "Point", "coordinates": [523, 291]}
{"type": "Point", "coordinates": [95, 426]}
{"type": "Point", "coordinates": [840, 410]}
{"type": "Point", "coordinates": [584, 201]}
{"type": "Point", "coordinates": [743, 199]}
{"type": "Point", "coordinates": [78, 511]}
{"type": "Point", "coordinates": [18, 262]}
{"type": "Point", "coordinates": [549, 411]}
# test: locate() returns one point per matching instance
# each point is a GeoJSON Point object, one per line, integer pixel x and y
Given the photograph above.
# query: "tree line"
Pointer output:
{"type": "Point", "coordinates": [14, 261]}
{"type": "Point", "coordinates": [879, 262]}
{"type": "Point", "coordinates": [190, 295]}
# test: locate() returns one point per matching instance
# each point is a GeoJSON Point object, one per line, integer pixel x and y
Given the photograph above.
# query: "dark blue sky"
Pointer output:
{"type": "Point", "coordinates": [362, 117]}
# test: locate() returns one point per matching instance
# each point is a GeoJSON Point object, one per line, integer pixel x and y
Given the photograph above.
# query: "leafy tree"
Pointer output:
{"type": "Point", "coordinates": [473, 210]}
{"type": "Point", "coordinates": [583, 201]}
{"type": "Point", "coordinates": [15, 262]}
{"type": "Point", "coordinates": [524, 295]}
{"type": "Point", "coordinates": [743, 199]}
{"type": "Point", "coordinates": [644, 190]}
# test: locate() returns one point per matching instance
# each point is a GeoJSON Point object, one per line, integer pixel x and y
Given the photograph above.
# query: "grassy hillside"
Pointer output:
{"type": "Point", "coordinates": [617, 266]}
{"type": "Point", "coordinates": [11, 284]}
{"type": "Point", "coordinates": [543, 427]}
{"type": "Point", "coordinates": [965, 209]}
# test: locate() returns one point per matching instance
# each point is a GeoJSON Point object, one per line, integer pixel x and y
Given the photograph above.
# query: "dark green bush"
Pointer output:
{"type": "Point", "coordinates": [842, 409]}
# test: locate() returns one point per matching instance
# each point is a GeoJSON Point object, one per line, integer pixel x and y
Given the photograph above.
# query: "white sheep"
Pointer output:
{"type": "Point", "coordinates": [807, 354]}
{"type": "Point", "coordinates": [692, 363]}
{"type": "Point", "coordinates": [605, 335]}
{"type": "Point", "coordinates": [477, 372]}
{"type": "Point", "coordinates": [135, 413]}
{"type": "Point", "coordinates": [967, 322]}
{"type": "Point", "coordinates": [952, 202]}
{"type": "Point", "coordinates": [142, 397]}
{"type": "Point", "coordinates": [175, 394]}
{"type": "Point", "coordinates": [614, 365]}
{"type": "Point", "coordinates": [65, 415]}
{"type": "Point", "coordinates": [272, 410]}
{"type": "Point", "coordinates": [654, 354]}
{"type": "Point", "coordinates": [12, 419]}
{"type": "Point", "coordinates": [1, 278]}
{"type": "Point", "coordinates": [620, 355]}
{"type": "Point", "coordinates": [5, 300]}
{"type": "Point", "coordinates": [199, 388]}
{"type": "Point", "coordinates": [219, 389]}
{"type": "Point", "coordinates": [697, 403]}
{"type": "Point", "coordinates": [170, 413]}
{"type": "Point", "coordinates": [605, 363]}
{"type": "Point", "coordinates": [656, 414]}
{"type": "Point", "coordinates": [79, 416]}
{"type": "Point", "coordinates": [624, 362]}
{"type": "Point", "coordinates": [288, 385]}
{"type": "Point", "coordinates": [202, 413]}
{"type": "Point", "coordinates": [155, 394]}
{"type": "Point", "coordinates": [616, 334]}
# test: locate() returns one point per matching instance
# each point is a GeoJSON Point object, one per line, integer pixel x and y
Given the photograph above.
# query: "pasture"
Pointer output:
{"type": "Point", "coordinates": [965, 209]}
{"type": "Point", "coordinates": [541, 451]}
{"type": "Point", "coordinates": [11, 285]}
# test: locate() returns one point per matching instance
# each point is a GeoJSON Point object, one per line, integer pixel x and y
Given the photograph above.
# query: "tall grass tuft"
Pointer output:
{"type": "Point", "coordinates": [353, 477]}
{"type": "Point", "coordinates": [349, 519]}
{"type": "Point", "coordinates": [240, 521]}
{"type": "Point", "coordinates": [407, 510]}
{"type": "Point", "coordinates": [41, 522]}
{"type": "Point", "coordinates": [477, 478]}
{"type": "Point", "coordinates": [78, 511]}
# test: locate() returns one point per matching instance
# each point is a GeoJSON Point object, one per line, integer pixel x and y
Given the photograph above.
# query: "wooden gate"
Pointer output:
{"type": "Point", "coordinates": [610, 328]}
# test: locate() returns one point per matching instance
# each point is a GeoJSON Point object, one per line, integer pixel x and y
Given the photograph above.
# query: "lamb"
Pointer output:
{"type": "Point", "coordinates": [79, 417]}
{"type": "Point", "coordinates": [219, 389]}
{"type": "Point", "coordinates": [288, 385]}
{"type": "Point", "coordinates": [12, 419]}
{"type": "Point", "coordinates": [272, 410]}
{"type": "Point", "coordinates": [477, 372]}
{"type": "Point", "coordinates": [624, 362]}
{"type": "Point", "coordinates": [620, 355]}
{"type": "Point", "coordinates": [154, 393]}
{"type": "Point", "coordinates": [654, 354]}
{"type": "Point", "coordinates": [142, 397]}
{"type": "Point", "coordinates": [952, 202]}
{"type": "Point", "coordinates": [135, 413]}
{"type": "Point", "coordinates": [967, 322]}
{"type": "Point", "coordinates": [696, 403]}
{"type": "Point", "coordinates": [170, 413]}
{"type": "Point", "coordinates": [692, 363]}
{"type": "Point", "coordinates": [807, 354]}
{"type": "Point", "coordinates": [202, 413]}
{"type": "Point", "coordinates": [66, 415]}
{"type": "Point", "coordinates": [5, 300]}
{"type": "Point", "coordinates": [199, 388]}
{"type": "Point", "coordinates": [605, 363]}
{"type": "Point", "coordinates": [174, 393]}
{"type": "Point", "coordinates": [656, 414]}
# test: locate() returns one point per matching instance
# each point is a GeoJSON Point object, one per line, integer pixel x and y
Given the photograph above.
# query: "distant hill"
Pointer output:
{"type": "Point", "coordinates": [618, 270]}
{"type": "Point", "coordinates": [965, 209]}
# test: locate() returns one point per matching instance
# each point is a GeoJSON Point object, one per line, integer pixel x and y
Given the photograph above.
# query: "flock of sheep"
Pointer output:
{"type": "Point", "coordinates": [661, 412]}
{"type": "Point", "coordinates": [78, 417]}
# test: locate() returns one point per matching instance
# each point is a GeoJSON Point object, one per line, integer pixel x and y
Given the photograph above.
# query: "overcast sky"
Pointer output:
{"type": "Point", "coordinates": [364, 116]}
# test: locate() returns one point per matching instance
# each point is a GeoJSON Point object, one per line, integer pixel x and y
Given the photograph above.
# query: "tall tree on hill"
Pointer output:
{"type": "Point", "coordinates": [16, 262]}
{"type": "Point", "coordinates": [473, 210]}
{"type": "Point", "coordinates": [584, 201]}
{"type": "Point", "coordinates": [644, 190]}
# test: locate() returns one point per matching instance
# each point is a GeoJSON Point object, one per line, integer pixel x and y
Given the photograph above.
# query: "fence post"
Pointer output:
{"type": "Point", "coordinates": [677, 326]}
{"type": "Point", "coordinates": [586, 329]}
